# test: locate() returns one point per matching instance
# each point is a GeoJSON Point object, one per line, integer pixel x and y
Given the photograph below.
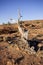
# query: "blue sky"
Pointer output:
{"type": "Point", "coordinates": [30, 9]}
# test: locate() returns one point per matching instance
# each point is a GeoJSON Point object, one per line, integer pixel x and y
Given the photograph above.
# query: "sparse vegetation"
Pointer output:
{"type": "Point", "coordinates": [9, 23]}
{"type": "Point", "coordinates": [27, 24]}
{"type": "Point", "coordinates": [14, 51]}
{"type": "Point", "coordinates": [38, 22]}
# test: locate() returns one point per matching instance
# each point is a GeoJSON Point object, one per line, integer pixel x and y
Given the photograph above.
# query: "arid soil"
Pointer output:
{"type": "Point", "coordinates": [14, 51]}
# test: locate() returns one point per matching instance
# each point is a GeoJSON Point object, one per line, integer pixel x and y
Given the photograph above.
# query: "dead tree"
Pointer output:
{"type": "Point", "coordinates": [24, 35]}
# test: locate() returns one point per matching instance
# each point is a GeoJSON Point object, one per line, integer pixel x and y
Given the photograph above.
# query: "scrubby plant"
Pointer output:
{"type": "Point", "coordinates": [9, 23]}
